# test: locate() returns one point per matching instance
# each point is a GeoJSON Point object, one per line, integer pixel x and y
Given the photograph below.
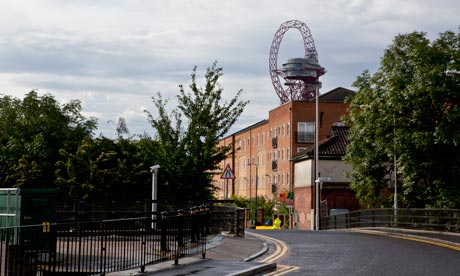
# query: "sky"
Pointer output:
{"type": "Point", "coordinates": [115, 55]}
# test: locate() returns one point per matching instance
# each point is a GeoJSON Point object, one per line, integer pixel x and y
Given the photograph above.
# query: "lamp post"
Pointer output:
{"type": "Point", "coordinates": [257, 178]}
{"type": "Point", "coordinates": [395, 196]}
{"type": "Point", "coordinates": [318, 84]}
{"type": "Point", "coordinates": [154, 171]}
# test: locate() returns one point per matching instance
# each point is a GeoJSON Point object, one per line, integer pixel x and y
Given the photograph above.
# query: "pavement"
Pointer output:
{"type": "Point", "coordinates": [228, 255]}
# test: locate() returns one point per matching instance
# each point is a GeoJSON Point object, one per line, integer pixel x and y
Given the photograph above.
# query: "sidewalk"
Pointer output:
{"type": "Point", "coordinates": [225, 255]}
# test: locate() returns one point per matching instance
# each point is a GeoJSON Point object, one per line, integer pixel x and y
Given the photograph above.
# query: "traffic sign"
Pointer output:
{"type": "Point", "coordinates": [228, 173]}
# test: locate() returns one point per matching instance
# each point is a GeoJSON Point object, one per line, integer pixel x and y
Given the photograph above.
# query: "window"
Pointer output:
{"type": "Point", "coordinates": [305, 132]}
{"type": "Point", "coordinates": [338, 124]}
{"type": "Point", "coordinates": [288, 153]}
{"type": "Point", "coordinates": [299, 149]}
{"type": "Point", "coordinates": [289, 129]}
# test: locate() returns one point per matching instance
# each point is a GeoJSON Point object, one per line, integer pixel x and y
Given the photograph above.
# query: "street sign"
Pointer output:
{"type": "Point", "coordinates": [290, 199]}
{"type": "Point", "coordinates": [228, 173]}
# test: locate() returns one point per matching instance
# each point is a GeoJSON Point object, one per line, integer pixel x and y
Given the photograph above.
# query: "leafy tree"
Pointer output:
{"type": "Point", "coordinates": [103, 169]}
{"type": "Point", "coordinates": [271, 207]}
{"type": "Point", "coordinates": [409, 109]}
{"type": "Point", "coordinates": [33, 132]}
{"type": "Point", "coordinates": [188, 154]}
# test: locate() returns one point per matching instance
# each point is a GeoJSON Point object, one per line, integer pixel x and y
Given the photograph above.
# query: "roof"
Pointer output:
{"type": "Point", "coordinates": [250, 127]}
{"type": "Point", "coordinates": [336, 95]}
{"type": "Point", "coordinates": [334, 147]}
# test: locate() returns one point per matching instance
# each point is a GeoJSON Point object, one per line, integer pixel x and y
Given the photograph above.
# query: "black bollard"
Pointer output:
{"type": "Point", "coordinates": [164, 222]}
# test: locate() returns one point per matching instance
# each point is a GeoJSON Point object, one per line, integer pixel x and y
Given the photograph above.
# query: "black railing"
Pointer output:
{"type": "Point", "coordinates": [275, 142]}
{"type": "Point", "coordinates": [100, 247]}
{"type": "Point", "coordinates": [447, 220]}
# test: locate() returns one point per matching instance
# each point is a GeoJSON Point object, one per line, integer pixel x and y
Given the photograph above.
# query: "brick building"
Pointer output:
{"type": "Point", "coordinates": [263, 151]}
{"type": "Point", "coordinates": [334, 193]}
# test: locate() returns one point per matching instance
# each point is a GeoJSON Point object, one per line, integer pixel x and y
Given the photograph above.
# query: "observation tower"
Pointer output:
{"type": "Point", "coordinates": [300, 75]}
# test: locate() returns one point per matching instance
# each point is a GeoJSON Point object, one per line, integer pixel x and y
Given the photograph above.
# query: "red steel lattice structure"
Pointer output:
{"type": "Point", "coordinates": [300, 87]}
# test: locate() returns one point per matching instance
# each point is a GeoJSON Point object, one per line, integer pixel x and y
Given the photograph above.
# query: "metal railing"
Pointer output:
{"type": "Point", "coordinates": [447, 220]}
{"type": "Point", "coordinates": [100, 247]}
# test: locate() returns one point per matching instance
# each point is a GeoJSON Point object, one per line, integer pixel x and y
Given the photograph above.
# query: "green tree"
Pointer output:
{"type": "Point", "coordinates": [189, 155]}
{"type": "Point", "coordinates": [103, 169]}
{"type": "Point", "coordinates": [33, 131]}
{"type": "Point", "coordinates": [408, 109]}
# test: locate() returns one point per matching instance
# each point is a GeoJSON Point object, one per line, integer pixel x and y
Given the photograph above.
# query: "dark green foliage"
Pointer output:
{"type": "Point", "coordinates": [46, 145]}
{"type": "Point", "coordinates": [33, 131]}
{"type": "Point", "coordinates": [409, 109]}
{"type": "Point", "coordinates": [187, 151]}
{"type": "Point", "coordinates": [104, 169]}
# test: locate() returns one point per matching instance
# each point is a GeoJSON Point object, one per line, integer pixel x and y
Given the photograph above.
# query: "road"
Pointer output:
{"type": "Point", "coordinates": [348, 253]}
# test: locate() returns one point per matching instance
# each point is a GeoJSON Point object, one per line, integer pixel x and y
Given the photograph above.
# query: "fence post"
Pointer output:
{"type": "Point", "coordinates": [180, 227]}
{"type": "Point", "coordinates": [195, 227]}
{"type": "Point", "coordinates": [164, 216]}
{"type": "Point", "coordinates": [347, 220]}
{"type": "Point", "coordinates": [202, 215]}
{"type": "Point", "coordinates": [206, 222]}
{"type": "Point", "coordinates": [237, 222]}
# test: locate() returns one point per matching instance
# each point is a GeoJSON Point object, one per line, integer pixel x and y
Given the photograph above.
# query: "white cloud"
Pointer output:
{"type": "Point", "coordinates": [114, 55]}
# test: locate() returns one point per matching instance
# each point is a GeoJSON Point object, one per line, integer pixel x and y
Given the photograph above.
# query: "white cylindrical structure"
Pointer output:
{"type": "Point", "coordinates": [154, 171]}
{"type": "Point", "coordinates": [317, 186]}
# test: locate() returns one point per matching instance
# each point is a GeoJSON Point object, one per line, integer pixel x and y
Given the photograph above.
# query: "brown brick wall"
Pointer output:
{"type": "Point", "coordinates": [255, 143]}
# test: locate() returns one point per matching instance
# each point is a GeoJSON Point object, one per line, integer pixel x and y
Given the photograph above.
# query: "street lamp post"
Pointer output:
{"type": "Point", "coordinates": [154, 171]}
{"type": "Point", "coordinates": [318, 84]}
{"type": "Point", "coordinates": [257, 178]}
{"type": "Point", "coordinates": [395, 171]}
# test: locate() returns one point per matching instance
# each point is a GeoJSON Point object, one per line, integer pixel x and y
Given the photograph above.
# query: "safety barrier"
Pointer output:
{"type": "Point", "coordinates": [447, 220]}
{"type": "Point", "coordinates": [100, 247]}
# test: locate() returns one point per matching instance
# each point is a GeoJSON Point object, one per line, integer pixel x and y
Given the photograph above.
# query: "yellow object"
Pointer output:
{"type": "Point", "coordinates": [46, 227]}
{"type": "Point", "coordinates": [264, 227]}
{"type": "Point", "coordinates": [277, 223]}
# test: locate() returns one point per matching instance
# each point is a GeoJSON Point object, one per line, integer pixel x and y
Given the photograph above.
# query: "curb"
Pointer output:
{"type": "Point", "coordinates": [258, 254]}
{"type": "Point", "coordinates": [255, 270]}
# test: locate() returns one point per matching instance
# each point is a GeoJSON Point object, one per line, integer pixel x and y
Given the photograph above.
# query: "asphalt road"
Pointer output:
{"type": "Point", "coordinates": [347, 253]}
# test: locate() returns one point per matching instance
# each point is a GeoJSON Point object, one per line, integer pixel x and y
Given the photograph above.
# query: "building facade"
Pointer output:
{"type": "Point", "coordinates": [261, 158]}
{"type": "Point", "coordinates": [333, 194]}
